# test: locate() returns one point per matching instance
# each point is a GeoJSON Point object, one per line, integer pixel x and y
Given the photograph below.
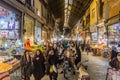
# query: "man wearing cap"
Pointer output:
{"type": "Point", "coordinates": [115, 62]}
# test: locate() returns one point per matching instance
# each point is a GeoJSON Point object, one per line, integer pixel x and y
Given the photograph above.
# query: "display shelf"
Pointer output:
{"type": "Point", "coordinates": [15, 66]}
{"type": "Point", "coordinates": [5, 59]}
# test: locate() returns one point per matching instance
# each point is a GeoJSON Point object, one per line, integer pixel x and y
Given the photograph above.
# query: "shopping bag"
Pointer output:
{"type": "Point", "coordinates": [54, 69]}
{"type": "Point", "coordinates": [51, 69]}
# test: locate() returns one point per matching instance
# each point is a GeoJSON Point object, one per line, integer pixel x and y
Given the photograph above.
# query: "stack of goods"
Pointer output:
{"type": "Point", "coordinates": [4, 67]}
{"type": "Point", "coordinates": [4, 76]}
{"type": "Point", "coordinates": [4, 71]}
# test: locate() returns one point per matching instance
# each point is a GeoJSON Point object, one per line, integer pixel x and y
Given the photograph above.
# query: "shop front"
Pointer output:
{"type": "Point", "coordinates": [114, 35]}
{"type": "Point", "coordinates": [10, 30]}
{"type": "Point", "coordinates": [94, 34]}
{"type": "Point", "coordinates": [10, 39]}
{"type": "Point", "coordinates": [29, 29]}
{"type": "Point", "coordinates": [38, 33]}
{"type": "Point", "coordinates": [101, 35]}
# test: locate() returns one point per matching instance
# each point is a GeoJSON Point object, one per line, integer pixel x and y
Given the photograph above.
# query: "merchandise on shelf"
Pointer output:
{"type": "Point", "coordinates": [5, 67]}
{"type": "Point", "coordinates": [5, 58]}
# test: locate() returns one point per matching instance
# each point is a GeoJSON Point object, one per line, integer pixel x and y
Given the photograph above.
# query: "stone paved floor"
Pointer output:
{"type": "Point", "coordinates": [97, 68]}
{"type": "Point", "coordinates": [60, 77]}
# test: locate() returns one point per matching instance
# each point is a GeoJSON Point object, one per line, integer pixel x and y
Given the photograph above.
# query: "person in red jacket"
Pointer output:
{"type": "Point", "coordinates": [27, 43]}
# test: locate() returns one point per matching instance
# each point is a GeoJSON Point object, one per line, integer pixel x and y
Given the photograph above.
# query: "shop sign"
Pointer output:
{"type": "Point", "coordinates": [9, 34]}
{"type": "Point", "coordinates": [9, 25]}
{"type": "Point", "coordinates": [3, 12]}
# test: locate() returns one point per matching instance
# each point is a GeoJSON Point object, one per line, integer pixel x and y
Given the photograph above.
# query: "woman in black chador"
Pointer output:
{"type": "Point", "coordinates": [39, 66]}
{"type": "Point", "coordinates": [26, 66]}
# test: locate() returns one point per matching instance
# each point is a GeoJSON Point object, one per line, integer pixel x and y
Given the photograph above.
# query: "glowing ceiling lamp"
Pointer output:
{"type": "Point", "coordinates": [67, 10]}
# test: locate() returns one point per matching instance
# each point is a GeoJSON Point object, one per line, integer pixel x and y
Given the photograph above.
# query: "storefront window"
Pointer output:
{"type": "Point", "coordinates": [101, 36]}
{"type": "Point", "coordinates": [29, 27]}
{"type": "Point", "coordinates": [114, 34]}
{"type": "Point", "coordinates": [9, 27]}
{"type": "Point", "coordinates": [38, 34]}
{"type": "Point", "coordinates": [94, 37]}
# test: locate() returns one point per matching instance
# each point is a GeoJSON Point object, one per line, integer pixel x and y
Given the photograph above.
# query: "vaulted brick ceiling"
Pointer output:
{"type": "Point", "coordinates": [78, 9]}
{"type": "Point", "coordinates": [57, 7]}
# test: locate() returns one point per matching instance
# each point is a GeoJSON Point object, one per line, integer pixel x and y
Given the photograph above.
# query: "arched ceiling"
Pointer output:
{"type": "Point", "coordinates": [78, 8]}
{"type": "Point", "coordinates": [57, 7]}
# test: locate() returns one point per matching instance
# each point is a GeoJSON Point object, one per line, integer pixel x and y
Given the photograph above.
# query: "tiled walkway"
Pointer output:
{"type": "Point", "coordinates": [97, 68]}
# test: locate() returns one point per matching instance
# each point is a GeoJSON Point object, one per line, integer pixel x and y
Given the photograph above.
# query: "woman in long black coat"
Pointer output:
{"type": "Point", "coordinates": [39, 66]}
{"type": "Point", "coordinates": [78, 52]}
{"type": "Point", "coordinates": [52, 61]}
{"type": "Point", "coordinates": [26, 65]}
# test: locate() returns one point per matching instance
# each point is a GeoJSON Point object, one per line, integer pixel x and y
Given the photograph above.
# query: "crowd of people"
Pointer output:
{"type": "Point", "coordinates": [40, 63]}
{"type": "Point", "coordinates": [44, 63]}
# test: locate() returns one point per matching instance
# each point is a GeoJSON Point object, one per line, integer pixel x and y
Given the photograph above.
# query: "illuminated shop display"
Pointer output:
{"type": "Point", "coordinates": [101, 36]}
{"type": "Point", "coordinates": [94, 38]}
{"type": "Point", "coordinates": [9, 28]}
{"type": "Point", "coordinates": [38, 33]}
{"type": "Point", "coordinates": [29, 27]}
{"type": "Point", "coordinates": [10, 39]}
{"type": "Point", "coordinates": [114, 34]}
{"type": "Point", "coordinates": [9, 25]}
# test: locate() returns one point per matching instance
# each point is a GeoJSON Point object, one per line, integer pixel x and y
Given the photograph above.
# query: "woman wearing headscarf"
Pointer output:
{"type": "Point", "coordinates": [52, 65]}
{"type": "Point", "coordinates": [113, 52]}
{"type": "Point", "coordinates": [26, 65]}
{"type": "Point", "coordinates": [39, 66]}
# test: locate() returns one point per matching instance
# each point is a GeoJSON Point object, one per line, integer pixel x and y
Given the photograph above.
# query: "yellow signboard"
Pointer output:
{"type": "Point", "coordinates": [93, 12]}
